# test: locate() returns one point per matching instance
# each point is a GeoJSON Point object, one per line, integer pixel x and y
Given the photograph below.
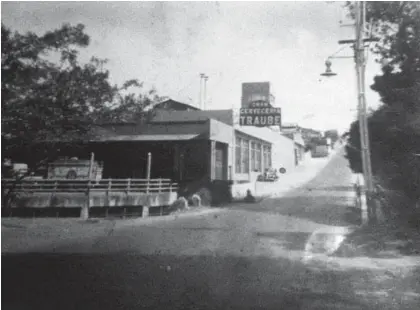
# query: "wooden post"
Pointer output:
{"type": "Point", "coordinates": [149, 166]}
{"type": "Point", "coordinates": [107, 196]}
{"type": "Point", "coordinates": [160, 185]}
{"type": "Point", "coordinates": [128, 185]}
{"type": "Point", "coordinates": [84, 214]}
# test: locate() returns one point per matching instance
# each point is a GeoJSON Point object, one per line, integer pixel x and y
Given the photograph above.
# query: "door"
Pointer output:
{"type": "Point", "coordinates": [220, 162]}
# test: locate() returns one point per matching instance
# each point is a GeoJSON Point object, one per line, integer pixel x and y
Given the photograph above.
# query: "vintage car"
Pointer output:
{"type": "Point", "coordinates": [74, 168]}
{"type": "Point", "coordinates": [271, 175]}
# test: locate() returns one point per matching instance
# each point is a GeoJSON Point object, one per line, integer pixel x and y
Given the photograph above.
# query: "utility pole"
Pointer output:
{"type": "Point", "coordinates": [368, 203]}
{"type": "Point", "coordinates": [202, 75]}
{"type": "Point", "coordinates": [205, 92]}
{"type": "Point", "coordinates": [360, 59]}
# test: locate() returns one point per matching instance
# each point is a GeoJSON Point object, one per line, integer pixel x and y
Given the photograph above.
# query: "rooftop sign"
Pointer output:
{"type": "Point", "coordinates": [260, 114]}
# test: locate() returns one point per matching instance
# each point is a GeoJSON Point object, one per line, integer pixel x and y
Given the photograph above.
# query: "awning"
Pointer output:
{"type": "Point", "coordinates": [166, 137]}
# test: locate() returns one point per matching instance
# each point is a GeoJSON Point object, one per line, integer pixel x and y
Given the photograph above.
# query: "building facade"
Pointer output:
{"type": "Point", "coordinates": [189, 144]}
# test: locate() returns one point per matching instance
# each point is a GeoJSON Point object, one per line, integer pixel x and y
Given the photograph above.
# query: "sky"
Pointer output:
{"type": "Point", "coordinates": [168, 44]}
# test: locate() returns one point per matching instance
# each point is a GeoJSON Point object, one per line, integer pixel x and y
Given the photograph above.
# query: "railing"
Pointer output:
{"type": "Point", "coordinates": [104, 185]}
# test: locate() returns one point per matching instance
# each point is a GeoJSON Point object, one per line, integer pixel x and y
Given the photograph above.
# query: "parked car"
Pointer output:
{"type": "Point", "coordinates": [73, 169]}
{"type": "Point", "coordinates": [271, 175]}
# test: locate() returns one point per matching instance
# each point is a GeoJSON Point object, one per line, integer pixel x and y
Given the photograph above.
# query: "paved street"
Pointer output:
{"type": "Point", "coordinates": [268, 255]}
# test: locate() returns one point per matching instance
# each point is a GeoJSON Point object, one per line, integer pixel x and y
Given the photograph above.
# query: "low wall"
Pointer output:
{"type": "Point", "coordinates": [97, 199]}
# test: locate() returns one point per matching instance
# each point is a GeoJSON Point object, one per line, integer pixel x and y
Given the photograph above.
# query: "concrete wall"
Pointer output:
{"type": "Point", "coordinates": [283, 153]}
{"type": "Point", "coordinates": [97, 199]}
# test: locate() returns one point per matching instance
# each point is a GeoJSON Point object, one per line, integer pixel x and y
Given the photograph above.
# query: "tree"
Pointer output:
{"type": "Point", "coordinates": [129, 106]}
{"type": "Point", "coordinates": [45, 101]}
{"type": "Point", "coordinates": [59, 101]}
{"type": "Point", "coordinates": [394, 128]}
{"type": "Point", "coordinates": [46, 104]}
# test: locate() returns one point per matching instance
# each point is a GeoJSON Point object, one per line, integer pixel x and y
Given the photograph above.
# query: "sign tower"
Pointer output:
{"type": "Point", "coordinates": [257, 106]}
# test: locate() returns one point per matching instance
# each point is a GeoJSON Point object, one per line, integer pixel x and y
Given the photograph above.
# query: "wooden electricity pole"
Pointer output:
{"type": "Point", "coordinates": [368, 201]}
{"type": "Point", "coordinates": [360, 59]}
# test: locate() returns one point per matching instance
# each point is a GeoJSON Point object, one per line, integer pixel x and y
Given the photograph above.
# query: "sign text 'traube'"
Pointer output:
{"type": "Point", "coordinates": [260, 114]}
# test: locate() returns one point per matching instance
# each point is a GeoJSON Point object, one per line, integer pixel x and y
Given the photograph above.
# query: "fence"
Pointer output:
{"type": "Point", "coordinates": [104, 185]}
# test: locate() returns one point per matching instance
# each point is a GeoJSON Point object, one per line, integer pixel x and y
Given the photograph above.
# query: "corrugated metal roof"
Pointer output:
{"type": "Point", "coordinates": [262, 133]}
{"type": "Point", "coordinates": [224, 116]}
{"type": "Point", "coordinates": [174, 137]}
{"type": "Point", "coordinates": [175, 105]}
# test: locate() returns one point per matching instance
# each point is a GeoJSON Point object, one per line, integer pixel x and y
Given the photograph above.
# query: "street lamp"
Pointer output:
{"type": "Point", "coordinates": [328, 72]}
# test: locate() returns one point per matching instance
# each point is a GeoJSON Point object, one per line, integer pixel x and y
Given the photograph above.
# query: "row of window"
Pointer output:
{"type": "Point", "coordinates": [260, 156]}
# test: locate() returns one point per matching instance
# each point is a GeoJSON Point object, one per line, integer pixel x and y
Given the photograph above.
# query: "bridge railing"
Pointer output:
{"type": "Point", "coordinates": [103, 185]}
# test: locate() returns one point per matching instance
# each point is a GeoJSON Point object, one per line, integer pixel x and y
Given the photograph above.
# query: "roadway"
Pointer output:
{"type": "Point", "coordinates": [267, 255]}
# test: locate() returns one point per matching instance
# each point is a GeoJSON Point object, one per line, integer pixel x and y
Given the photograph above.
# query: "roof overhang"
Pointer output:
{"type": "Point", "coordinates": [146, 137]}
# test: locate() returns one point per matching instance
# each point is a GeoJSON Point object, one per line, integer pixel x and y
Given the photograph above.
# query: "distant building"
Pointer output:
{"type": "Point", "coordinates": [287, 128]}
{"type": "Point", "coordinates": [293, 131]}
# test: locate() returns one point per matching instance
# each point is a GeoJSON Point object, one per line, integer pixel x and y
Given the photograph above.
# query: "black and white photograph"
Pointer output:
{"type": "Point", "coordinates": [210, 155]}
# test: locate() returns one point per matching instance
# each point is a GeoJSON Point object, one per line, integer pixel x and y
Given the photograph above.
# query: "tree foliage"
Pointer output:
{"type": "Point", "coordinates": [395, 127]}
{"type": "Point", "coordinates": [49, 95]}
{"type": "Point", "coordinates": [129, 107]}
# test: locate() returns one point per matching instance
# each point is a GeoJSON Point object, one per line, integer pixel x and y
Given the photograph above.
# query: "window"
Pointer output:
{"type": "Point", "coordinates": [258, 161]}
{"type": "Point", "coordinates": [267, 156]}
{"type": "Point", "coordinates": [253, 156]}
{"type": "Point", "coordinates": [245, 156]}
{"type": "Point", "coordinates": [242, 155]}
{"type": "Point", "coordinates": [238, 154]}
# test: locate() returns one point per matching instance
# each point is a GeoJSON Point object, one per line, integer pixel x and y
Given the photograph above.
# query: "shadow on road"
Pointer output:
{"type": "Point", "coordinates": [385, 241]}
{"type": "Point", "coordinates": [130, 281]}
{"type": "Point", "coordinates": [291, 241]}
{"type": "Point", "coordinates": [321, 209]}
